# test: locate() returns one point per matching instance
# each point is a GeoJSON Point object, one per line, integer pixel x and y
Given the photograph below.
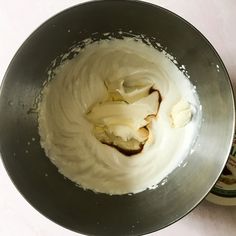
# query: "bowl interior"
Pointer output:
{"type": "Point", "coordinates": [84, 211]}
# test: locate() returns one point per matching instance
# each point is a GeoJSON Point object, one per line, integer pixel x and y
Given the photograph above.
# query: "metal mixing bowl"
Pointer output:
{"type": "Point", "coordinates": [99, 214]}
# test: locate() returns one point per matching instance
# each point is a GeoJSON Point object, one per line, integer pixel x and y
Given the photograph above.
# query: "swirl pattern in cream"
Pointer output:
{"type": "Point", "coordinates": [103, 96]}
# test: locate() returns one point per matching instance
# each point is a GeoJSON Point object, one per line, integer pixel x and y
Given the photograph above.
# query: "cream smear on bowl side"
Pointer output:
{"type": "Point", "coordinates": [118, 95]}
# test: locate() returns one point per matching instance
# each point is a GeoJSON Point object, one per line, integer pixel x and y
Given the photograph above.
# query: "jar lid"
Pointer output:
{"type": "Point", "coordinates": [224, 191]}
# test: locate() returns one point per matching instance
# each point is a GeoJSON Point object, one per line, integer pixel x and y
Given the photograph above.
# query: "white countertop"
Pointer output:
{"type": "Point", "coordinates": [216, 19]}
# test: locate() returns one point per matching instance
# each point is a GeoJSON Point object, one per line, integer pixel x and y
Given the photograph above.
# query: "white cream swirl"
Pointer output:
{"type": "Point", "coordinates": [67, 135]}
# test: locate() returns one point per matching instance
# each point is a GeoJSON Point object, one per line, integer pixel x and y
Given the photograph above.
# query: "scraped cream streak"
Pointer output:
{"type": "Point", "coordinates": [118, 117]}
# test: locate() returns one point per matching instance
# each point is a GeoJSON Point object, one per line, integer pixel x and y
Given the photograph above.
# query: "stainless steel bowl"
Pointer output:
{"type": "Point", "coordinates": [99, 214]}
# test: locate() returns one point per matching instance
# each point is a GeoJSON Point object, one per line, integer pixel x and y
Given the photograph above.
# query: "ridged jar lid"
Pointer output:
{"type": "Point", "coordinates": [224, 192]}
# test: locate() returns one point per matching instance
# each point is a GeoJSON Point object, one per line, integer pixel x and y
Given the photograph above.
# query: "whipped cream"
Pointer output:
{"type": "Point", "coordinates": [118, 95]}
